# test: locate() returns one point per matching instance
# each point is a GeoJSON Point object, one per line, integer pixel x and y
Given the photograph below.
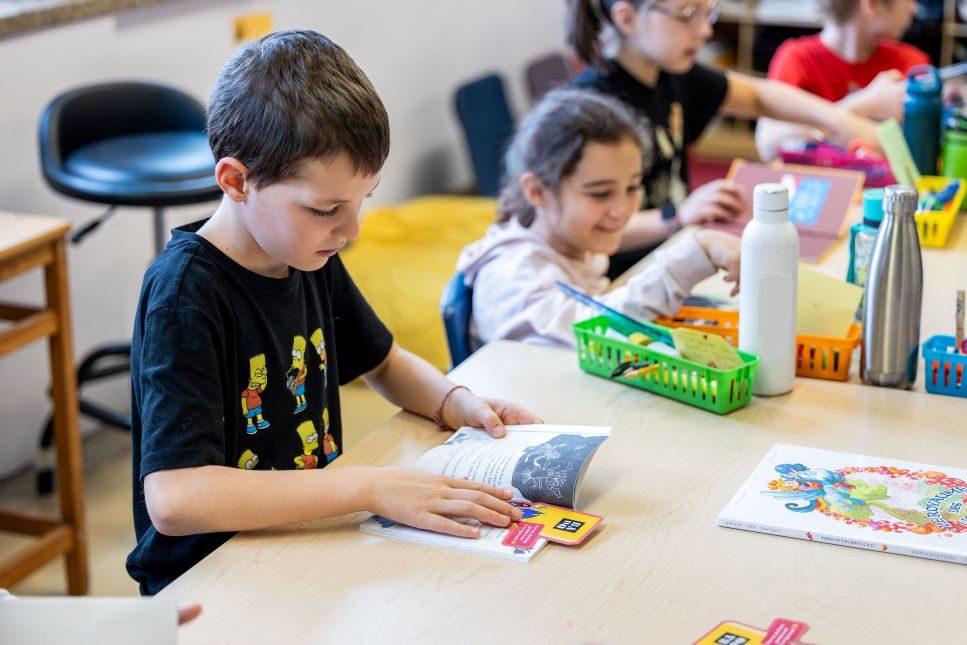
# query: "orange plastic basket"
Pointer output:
{"type": "Point", "coordinates": [816, 356]}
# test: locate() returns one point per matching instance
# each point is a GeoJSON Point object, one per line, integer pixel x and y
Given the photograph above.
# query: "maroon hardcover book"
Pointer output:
{"type": "Point", "coordinates": [819, 201]}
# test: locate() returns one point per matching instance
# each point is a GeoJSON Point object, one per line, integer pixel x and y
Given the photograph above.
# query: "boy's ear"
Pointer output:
{"type": "Point", "coordinates": [231, 175]}
{"type": "Point", "coordinates": [623, 16]}
{"type": "Point", "coordinates": [533, 190]}
{"type": "Point", "coordinates": [866, 8]}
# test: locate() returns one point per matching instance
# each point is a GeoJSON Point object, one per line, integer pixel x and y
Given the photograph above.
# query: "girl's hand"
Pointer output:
{"type": "Point", "coordinates": [464, 408]}
{"type": "Point", "coordinates": [426, 501]}
{"type": "Point", "coordinates": [723, 251]}
{"type": "Point", "coordinates": [716, 201]}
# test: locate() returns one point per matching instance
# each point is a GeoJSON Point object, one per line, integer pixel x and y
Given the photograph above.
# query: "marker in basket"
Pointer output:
{"type": "Point", "coordinates": [959, 346]}
{"type": "Point", "coordinates": [626, 324]}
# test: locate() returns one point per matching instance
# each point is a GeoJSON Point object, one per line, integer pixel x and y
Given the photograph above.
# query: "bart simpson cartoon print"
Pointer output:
{"type": "Point", "coordinates": [319, 342]}
{"type": "Point", "coordinates": [295, 378]}
{"type": "Point", "coordinates": [248, 460]}
{"type": "Point", "coordinates": [310, 443]}
{"type": "Point", "coordinates": [329, 447]}
{"type": "Point", "coordinates": [251, 395]}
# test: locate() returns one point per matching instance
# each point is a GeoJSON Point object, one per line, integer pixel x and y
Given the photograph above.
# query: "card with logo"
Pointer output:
{"type": "Point", "coordinates": [523, 535]}
{"type": "Point", "coordinates": [784, 632]}
{"type": "Point", "coordinates": [561, 525]}
{"type": "Point", "coordinates": [731, 632]}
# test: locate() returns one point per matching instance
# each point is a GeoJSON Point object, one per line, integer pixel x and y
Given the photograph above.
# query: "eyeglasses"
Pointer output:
{"type": "Point", "coordinates": [693, 13]}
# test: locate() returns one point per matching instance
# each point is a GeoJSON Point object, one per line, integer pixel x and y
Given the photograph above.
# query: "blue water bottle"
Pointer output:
{"type": "Point", "coordinates": [922, 112]}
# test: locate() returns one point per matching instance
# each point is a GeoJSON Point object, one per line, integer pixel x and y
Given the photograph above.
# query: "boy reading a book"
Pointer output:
{"type": "Point", "coordinates": [248, 324]}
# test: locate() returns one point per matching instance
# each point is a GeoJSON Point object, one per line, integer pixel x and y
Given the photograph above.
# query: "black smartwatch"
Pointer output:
{"type": "Point", "coordinates": [669, 215]}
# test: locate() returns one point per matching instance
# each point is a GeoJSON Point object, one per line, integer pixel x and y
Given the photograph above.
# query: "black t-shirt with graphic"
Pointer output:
{"type": "Point", "coordinates": [676, 112]}
{"type": "Point", "coordinates": [231, 368]}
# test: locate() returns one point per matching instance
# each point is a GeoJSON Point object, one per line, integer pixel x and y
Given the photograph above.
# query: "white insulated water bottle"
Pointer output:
{"type": "Point", "coordinates": [767, 299]}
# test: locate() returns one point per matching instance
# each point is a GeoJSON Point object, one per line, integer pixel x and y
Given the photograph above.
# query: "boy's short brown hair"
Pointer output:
{"type": "Point", "coordinates": [291, 96]}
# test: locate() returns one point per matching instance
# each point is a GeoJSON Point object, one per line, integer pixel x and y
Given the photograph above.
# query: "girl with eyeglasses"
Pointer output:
{"type": "Point", "coordinates": [644, 52]}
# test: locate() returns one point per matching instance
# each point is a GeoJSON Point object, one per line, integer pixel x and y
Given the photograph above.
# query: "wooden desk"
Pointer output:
{"type": "Point", "coordinates": [659, 570]}
{"type": "Point", "coordinates": [30, 242]}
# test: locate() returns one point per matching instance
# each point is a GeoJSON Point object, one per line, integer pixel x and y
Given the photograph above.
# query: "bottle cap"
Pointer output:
{"type": "Point", "coordinates": [900, 200]}
{"type": "Point", "coordinates": [873, 207]}
{"type": "Point", "coordinates": [770, 202]}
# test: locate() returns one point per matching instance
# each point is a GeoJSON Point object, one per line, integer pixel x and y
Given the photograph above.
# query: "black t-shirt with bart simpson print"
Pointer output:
{"type": "Point", "coordinates": [675, 112]}
{"type": "Point", "coordinates": [231, 368]}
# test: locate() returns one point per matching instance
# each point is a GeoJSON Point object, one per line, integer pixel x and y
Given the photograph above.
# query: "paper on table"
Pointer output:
{"type": "Point", "coordinates": [708, 349]}
{"type": "Point", "coordinates": [825, 306]}
{"type": "Point", "coordinates": [898, 152]}
{"type": "Point", "coordinates": [89, 621]}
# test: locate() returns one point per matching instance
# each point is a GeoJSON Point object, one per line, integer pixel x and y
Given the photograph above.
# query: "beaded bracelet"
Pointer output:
{"type": "Point", "coordinates": [438, 413]}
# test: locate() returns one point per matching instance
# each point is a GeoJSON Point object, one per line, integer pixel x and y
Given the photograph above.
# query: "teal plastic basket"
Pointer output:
{"type": "Point", "coordinates": [715, 390]}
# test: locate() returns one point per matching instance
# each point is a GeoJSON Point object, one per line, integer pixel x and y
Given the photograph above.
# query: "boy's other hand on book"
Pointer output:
{"type": "Point", "coordinates": [426, 501]}
{"type": "Point", "coordinates": [464, 408]}
{"type": "Point", "coordinates": [716, 201]}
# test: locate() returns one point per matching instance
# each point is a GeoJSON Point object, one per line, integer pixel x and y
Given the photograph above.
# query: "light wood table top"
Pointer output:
{"type": "Point", "coordinates": [21, 232]}
{"type": "Point", "coordinates": [659, 570]}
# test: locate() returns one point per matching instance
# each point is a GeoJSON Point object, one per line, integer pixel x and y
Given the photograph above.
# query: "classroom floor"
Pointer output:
{"type": "Point", "coordinates": [107, 479]}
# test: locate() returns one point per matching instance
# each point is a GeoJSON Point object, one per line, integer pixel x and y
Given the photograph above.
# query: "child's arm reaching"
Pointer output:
{"type": "Point", "coordinates": [751, 97]}
{"type": "Point", "coordinates": [210, 499]}
{"type": "Point", "coordinates": [664, 284]}
{"type": "Point", "coordinates": [413, 384]}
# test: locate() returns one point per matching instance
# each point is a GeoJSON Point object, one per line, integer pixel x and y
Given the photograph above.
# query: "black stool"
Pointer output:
{"type": "Point", "coordinates": [122, 144]}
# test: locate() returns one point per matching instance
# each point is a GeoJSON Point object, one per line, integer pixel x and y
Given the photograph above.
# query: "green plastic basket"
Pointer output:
{"type": "Point", "coordinates": [715, 390]}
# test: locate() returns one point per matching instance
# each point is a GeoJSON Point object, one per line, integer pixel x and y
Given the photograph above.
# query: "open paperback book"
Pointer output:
{"type": "Point", "coordinates": [853, 500]}
{"type": "Point", "coordinates": [539, 463]}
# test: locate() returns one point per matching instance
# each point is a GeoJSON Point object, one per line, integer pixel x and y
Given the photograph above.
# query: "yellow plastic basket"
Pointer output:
{"type": "Point", "coordinates": [934, 227]}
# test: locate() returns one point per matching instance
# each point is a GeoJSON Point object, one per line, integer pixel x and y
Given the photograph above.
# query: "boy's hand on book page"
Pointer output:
{"type": "Point", "coordinates": [723, 251]}
{"type": "Point", "coordinates": [426, 501]}
{"type": "Point", "coordinates": [464, 408]}
{"type": "Point", "coordinates": [716, 201]}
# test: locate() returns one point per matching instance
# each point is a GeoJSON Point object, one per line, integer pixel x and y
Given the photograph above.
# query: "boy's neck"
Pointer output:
{"type": "Point", "coordinates": [638, 65]}
{"type": "Point", "coordinates": [226, 230]}
{"type": "Point", "coordinates": [850, 40]}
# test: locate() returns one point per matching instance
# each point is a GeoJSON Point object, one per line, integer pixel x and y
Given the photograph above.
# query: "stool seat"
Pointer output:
{"type": "Point", "coordinates": [157, 168]}
{"type": "Point", "coordinates": [160, 156]}
{"type": "Point", "coordinates": [128, 144]}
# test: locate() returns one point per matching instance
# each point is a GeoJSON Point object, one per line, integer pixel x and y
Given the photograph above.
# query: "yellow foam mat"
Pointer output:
{"type": "Point", "coordinates": [405, 255]}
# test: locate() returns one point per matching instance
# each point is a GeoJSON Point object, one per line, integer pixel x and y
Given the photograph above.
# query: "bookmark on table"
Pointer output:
{"type": "Point", "coordinates": [626, 324]}
{"type": "Point", "coordinates": [733, 633]}
{"type": "Point", "coordinates": [561, 525]}
{"type": "Point", "coordinates": [781, 632]}
{"type": "Point", "coordinates": [523, 535]}
{"type": "Point", "coordinates": [897, 151]}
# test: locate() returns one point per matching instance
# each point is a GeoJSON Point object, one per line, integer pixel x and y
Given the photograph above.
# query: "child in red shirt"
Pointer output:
{"type": "Point", "coordinates": [856, 60]}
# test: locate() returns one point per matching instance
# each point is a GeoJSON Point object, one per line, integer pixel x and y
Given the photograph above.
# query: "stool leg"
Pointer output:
{"type": "Point", "coordinates": [66, 433]}
{"type": "Point", "coordinates": [160, 234]}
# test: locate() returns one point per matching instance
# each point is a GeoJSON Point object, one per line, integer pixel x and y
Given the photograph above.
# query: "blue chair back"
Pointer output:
{"type": "Point", "coordinates": [455, 307]}
{"type": "Point", "coordinates": [488, 126]}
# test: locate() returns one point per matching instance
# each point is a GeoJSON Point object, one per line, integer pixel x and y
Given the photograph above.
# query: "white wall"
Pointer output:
{"type": "Point", "coordinates": [415, 52]}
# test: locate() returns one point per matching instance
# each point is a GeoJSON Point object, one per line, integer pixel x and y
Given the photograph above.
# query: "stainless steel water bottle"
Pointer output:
{"type": "Point", "coordinates": [894, 295]}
